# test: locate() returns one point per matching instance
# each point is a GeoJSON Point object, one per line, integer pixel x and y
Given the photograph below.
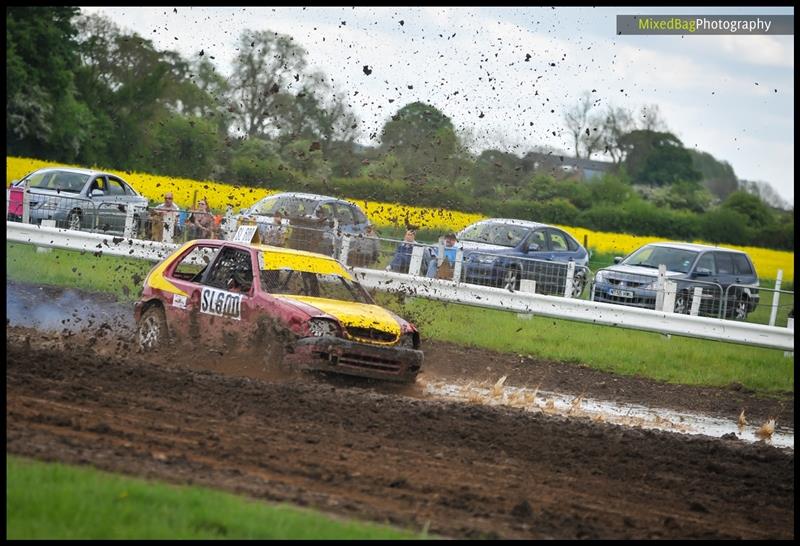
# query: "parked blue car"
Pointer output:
{"type": "Point", "coordinates": [502, 252]}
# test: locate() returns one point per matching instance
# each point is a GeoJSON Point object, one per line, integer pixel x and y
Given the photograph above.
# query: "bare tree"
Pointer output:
{"type": "Point", "coordinates": [268, 65]}
{"type": "Point", "coordinates": [584, 128]}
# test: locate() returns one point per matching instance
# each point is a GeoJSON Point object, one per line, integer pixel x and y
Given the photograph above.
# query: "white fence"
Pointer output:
{"type": "Point", "coordinates": [445, 290]}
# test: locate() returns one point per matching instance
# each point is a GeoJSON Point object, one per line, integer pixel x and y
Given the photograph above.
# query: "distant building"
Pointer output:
{"type": "Point", "coordinates": [586, 169]}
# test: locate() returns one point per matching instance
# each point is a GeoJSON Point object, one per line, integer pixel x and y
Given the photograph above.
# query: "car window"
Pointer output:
{"type": "Point", "coordinates": [315, 285]}
{"type": "Point", "coordinates": [724, 263]}
{"type": "Point", "coordinates": [266, 206]}
{"type": "Point", "coordinates": [233, 268]}
{"type": "Point", "coordinates": [707, 261]}
{"type": "Point", "coordinates": [193, 264]}
{"type": "Point", "coordinates": [114, 187]}
{"type": "Point", "coordinates": [344, 214]}
{"type": "Point", "coordinates": [325, 211]}
{"type": "Point", "coordinates": [58, 180]}
{"type": "Point", "coordinates": [358, 216]}
{"type": "Point", "coordinates": [675, 259]}
{"type": "Point", "coordinates": [98, 183]}
{"type": "Point", "coordinates": [557, 241]}
{"type": "Point", "coordinates": [537, 238]}
{"type": "Point", "coordinates": [741, 265]}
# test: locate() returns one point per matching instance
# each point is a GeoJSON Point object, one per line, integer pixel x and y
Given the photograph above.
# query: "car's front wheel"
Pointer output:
{"type": "Point", "coordinates": [740, 308]}
{"type": "Point", "coordinates": [152, 330]}
{"type": "Point", "coordinates": [682, 304]}
{"type": "Point", "coordinates": [578, 284]}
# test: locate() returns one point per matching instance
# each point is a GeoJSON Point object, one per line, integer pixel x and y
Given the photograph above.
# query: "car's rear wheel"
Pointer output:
{"type": "Point", "coordinates": [74, 220]}
{"type": "Point", "coordinates": [511, 279]}
{"type": "Point", "coordinates": [152, 329]}
{"type": "Point", "coordinates": [578, 284]}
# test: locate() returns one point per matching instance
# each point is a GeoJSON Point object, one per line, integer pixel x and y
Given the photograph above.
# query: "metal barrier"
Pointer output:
{"type": "Point", "coordinates": [68, 212]}
{"type": "Point", "coordinates": [771, 306]}
{"type": "Point", "coordinates": [481, 296]}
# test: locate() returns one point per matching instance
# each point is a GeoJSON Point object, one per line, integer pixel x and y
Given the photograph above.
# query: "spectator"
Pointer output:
{"type": "Point", "coordinates": [364, 250]}
{"type": "Point", "coordinates": [445, 269]}
{"type": "Point", "coordinates": [200, 224]}
{"type": "Point", "coordinates": [166, 217]}
{"type": "Point", "coordinates": [274, 234]}
{"type": "Point", "coordinates": [402, 256]}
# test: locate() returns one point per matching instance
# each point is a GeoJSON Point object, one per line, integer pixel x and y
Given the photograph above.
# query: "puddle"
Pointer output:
{"type": "Point", "coordinates": [530, 399]}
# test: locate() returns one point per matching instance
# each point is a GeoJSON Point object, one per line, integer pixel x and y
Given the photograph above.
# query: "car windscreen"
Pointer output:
{"type": "Point", "coordinates": [316, 285]}
{"type": "Point", "coordinates": [58, 180]}
{"type": "Point", "coordinates": [495, 234]}
{"type": "Point", "coordinates": [676, 259]}
{"type": "Point", "coordinates": [289, 206]}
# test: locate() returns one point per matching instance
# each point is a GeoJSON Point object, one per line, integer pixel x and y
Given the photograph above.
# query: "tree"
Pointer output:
{"type": "Point", "coordinates": [583, 128]}
{"type": "Point", "coordinates": [265, 71]}
{"type": "Point", "coordinates": [185, 146]}
{"type": "Point", "coordinates": [41, 51]}
{"type": "Point", "coordinates": [497, 173]}
{"type": "Point", "coordinates": [422, 138]}
{"type": "Point", "coordinates": [717, 176]}
{"type": "Point", "coordinates": [751, 207]}
{"type": "Point", "coordinates": [657, 158]}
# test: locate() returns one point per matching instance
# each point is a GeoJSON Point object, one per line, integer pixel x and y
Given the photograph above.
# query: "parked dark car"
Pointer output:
{"type": "Point", "coordinates": [314, 221]}
{"type": "Point", "coordinates": [721, 273]}
{"type": "Point", "coordinates": [502, 252]}
{"type": "Point", "coordinates": [75, 198]}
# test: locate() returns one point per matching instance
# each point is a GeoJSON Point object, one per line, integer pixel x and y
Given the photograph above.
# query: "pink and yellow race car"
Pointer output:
{"type": "Point", "coordinates": [235, 295]}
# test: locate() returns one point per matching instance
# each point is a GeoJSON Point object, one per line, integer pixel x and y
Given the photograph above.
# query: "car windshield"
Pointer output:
{"type": "Point", "coordinates": [317, 285]}
{"type": "Point", "coordinates": [58, 180]}
{"type": "Point", "coordinates": [495, 234]}
{"type": "Point", "coordinates": [290, 206]}
{"type": "Point", "coordinates": [676, 259]}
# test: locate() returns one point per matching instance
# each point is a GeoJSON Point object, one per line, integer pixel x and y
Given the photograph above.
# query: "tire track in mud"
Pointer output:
{"type": "Point", "coordinates": [463, 470]}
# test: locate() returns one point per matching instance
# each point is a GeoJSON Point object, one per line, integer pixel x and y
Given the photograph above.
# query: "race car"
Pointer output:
{"type": "Point", "coordinates": [308, 303]}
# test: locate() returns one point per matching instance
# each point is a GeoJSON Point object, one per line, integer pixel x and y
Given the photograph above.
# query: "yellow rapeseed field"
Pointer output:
{"type": "Point", "coordinates": [219, 196]}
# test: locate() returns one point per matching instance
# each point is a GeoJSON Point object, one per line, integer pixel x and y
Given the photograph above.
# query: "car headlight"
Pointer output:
{"type": "Point", "coordinates": [600, 276]}
{"type": "Point", "coordinates": [407, 341]}
{"type": "Point", "coordinates": [322, 327]}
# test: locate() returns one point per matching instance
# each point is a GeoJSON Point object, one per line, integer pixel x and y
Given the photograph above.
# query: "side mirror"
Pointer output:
{"type": "Point", "coordinates": [533, 247]}
{"type": "Point", "coordinates": [97, 193]}
{"type": "Point", "coordinates": [617, 259]}
{"type": "Point", "coordinates": [702, 272]}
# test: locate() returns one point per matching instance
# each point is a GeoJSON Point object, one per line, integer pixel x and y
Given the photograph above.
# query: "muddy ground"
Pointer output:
{"type": "Point", "coordinates": [77, 392]}
{"type": "Point", "coordinates": [391, 454]}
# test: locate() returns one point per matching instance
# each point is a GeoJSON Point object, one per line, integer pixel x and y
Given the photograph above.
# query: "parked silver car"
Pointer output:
{"type": "Point", "coordinates": [75, 199]}
{"type": "Point", "coordinates": [727, 279]}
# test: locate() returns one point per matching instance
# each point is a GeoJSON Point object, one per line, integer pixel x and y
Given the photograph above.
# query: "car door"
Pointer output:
{"type": "Point", "coordinates": [114, 208]}
{"type": "Point", "coordinates": [725, 275]}
{"type": "Point", "coordinates": [559, 246]}
{"type": "Point", "coordinates": [227, 308]}
{"type": "Point", "coordinates": [185, 275]}
{"type": "Point", "coordinates": [534, 267]}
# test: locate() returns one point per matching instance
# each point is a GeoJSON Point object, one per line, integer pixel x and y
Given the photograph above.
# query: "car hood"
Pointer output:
{"type": "Point", "coordinates": [640, 271]}
{"type": "Point", "coordinates": [351, 314]}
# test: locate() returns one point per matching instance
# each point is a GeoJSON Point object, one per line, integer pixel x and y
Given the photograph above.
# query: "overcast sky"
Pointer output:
{"type": "Point", "coordinates": [731, 96]}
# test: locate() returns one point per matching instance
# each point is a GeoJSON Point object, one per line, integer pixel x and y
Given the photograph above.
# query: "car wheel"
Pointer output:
{"type": "Point", "coordinates": [740, 308]}
{"type": "Point", "coordinates": [74, 220]}
{"type": "Point", "coordinates": [578, 284]}
{"type": "Point", "coordinates": [152, 329]}
{"type": "Point", "coordinates": [682, 303]}
{"type": "Point", "coordinates": [511, 279]}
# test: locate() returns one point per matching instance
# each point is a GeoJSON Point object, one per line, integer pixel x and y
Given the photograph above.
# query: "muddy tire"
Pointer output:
{"type": "Point", "coordinates": [682, 305]}
{"type": "Point", "coordinates": [74, 220]}
{"type": "Point", "coordinates": [578, 285]}
{"type": "Point", "coordinates": [151, 332]}
{"type": "Point", "coordinates": [511, 279]}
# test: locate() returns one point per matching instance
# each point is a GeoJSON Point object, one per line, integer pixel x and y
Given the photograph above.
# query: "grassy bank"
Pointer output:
{"type": "Point", "coordinates": [56, 501]}
{"type": "Point", "coordinates": [630, 352]}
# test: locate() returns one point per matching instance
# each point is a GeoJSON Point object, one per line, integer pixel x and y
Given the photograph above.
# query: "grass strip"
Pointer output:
{"type": "Point", "coordinates": [57, 501]}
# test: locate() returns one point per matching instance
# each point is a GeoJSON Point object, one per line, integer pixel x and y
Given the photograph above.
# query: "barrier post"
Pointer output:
{"type": "Point", "coordinates": [416, 260]}
{"type": "Point", "coordinates": [345, 248]}
{"type": "Point", "coordinates": [776, 296]}
{"type": "Point", "coordinates": [570, 278]}
{"type": "Point", "coordinates": [670, 289]}
{"type": "Point", "coordinates": [698, 297]}
{"type": "Point", "coordinates": [457, 265]}
{"type": "Point", "coordinates": [662, 275]}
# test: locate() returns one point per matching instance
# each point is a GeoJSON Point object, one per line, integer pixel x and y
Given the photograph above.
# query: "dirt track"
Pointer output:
{"type": "Point", "coordinates": [389, 454]}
